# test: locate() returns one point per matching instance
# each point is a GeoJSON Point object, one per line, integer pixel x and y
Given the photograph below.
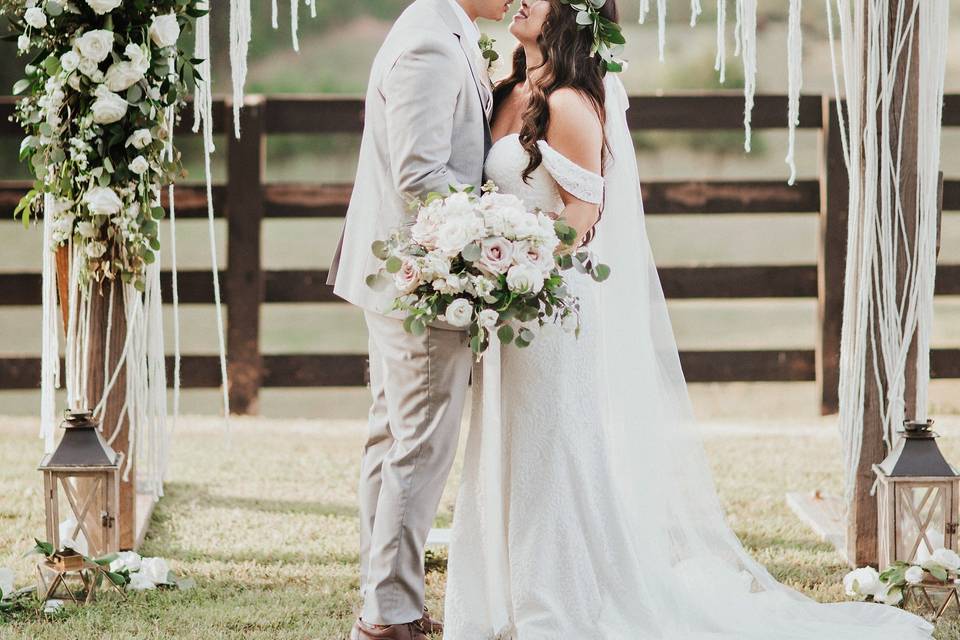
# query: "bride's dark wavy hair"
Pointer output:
{"type": "Point", "coordinates": [566, 63]}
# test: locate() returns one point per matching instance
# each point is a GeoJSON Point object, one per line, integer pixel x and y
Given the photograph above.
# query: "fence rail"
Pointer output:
{"type": "Point", "coordinates": [246, 199]}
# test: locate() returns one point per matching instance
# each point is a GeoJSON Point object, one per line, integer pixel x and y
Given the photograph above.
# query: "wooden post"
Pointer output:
{"type": "Point", "coordinates": [98, 375]}
{"type": "Point", "coordinates": [862, 541]}
{"type": "Point", "coordinates": [246, 159]}
{"type": "Point", "coordinates": [831, 259]}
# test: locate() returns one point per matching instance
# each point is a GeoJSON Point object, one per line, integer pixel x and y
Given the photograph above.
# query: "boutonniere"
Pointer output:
{"type": "Point", "coordinates": [487, 51]}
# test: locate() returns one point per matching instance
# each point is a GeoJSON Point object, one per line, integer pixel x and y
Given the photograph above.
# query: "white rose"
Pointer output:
{"type": "Point", "coordinates": [449, 285]}
{"type": "Point", "coordinates": [135, 54]}
{"type": "Point", "coordinates": [155, 569]}
{"type": "Point", "coordinates": [23, 42]}
{"type": "Point", "coordinates": [458, 231]}
{"type": "Point", "coordinates": [35, 17]}
{"type": "Point", "coordinates": [140, 582]}
{"type": "Point", "coordinates": [95, 249]}
{"type": "Point", "coordinates": [459, 312]}
{"type": "Point", "coordinates": [101, 7]}
{"type": "Point", "coordinates": [123, 75]}
{"type": "Point", "coordinates": [165, 30]}
{"type": "Point", "coordinates": [108, 107]}
{"type": "Point", "coordinates": [139, 165]}
{"type": "Point", "coordinates": [496, 255]}
{"type": "Point", "coordinates": [435, 266]}
{"type": "Point", "coordinates": [102, 201]}
{"type": "Point", "coordinates": [87, 66]}
{"type": "Point", "coordinates": [488, 318]}
{"type": "Point", "coordinates": [863, 582]}
{"type": "Point", "coordinates": [483, 286]}
{"type": "Point", "coordinates": [6, 581]}
{"type": "Point", "coordinates": [139, 138]}
{"type": "Point", "coordinates": [129, 560]}
{"type": "Point", "coordinates": [70, 61]}
{"type": "Point", "coordinates": [914, 575]}
{"type": "Point", "coordinates": [523, 278]}
{"type": "Point", "coordinates": [408, 278]}
{"type": "Point", "coordinates": [95, 45]}
{"type": "Point", "coordinates": [946, 558]}
{"type": "Point", "coordinates": [86, 229]}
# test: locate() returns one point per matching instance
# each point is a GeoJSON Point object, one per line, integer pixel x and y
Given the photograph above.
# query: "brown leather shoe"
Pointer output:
{"type": "Point", "coordinates": [409, 631]}
{"type": "Point", "coordinates": [428, 625]}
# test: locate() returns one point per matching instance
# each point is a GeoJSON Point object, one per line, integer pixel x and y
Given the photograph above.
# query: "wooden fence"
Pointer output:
{"type": "Point", "coordinates": [246, 199]}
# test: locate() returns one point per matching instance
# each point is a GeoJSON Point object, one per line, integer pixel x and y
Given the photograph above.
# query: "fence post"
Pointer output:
{"type": "Point", "coordinates": [831, 258]}
{"type": "Point", "coordinates": [244, 283]}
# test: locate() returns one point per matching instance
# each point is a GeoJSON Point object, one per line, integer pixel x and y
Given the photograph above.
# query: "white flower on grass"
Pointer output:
{"type": "Point", "coordinates": [523, 278]}
{"type": "Point", "coordinates": [123, 75]}
{"type": "Point", "coordinates": [35, 17]}
{"type": "Point", "coordinates": [140, 582]}
{"type": "Point", "coordinates": [139, 138]}
{"type": "Point", "coordinates": [946, 558]}
{"type": "Point", "coordinates": [156, 570]}
{"type": "Point", "coordinates": [165, 30]}
{"type": "Point", "coordinates": [101, 7]}
{"type": "Point", "coordinates": [488, 318]}
{"type": "Point", "coordinates": [95, 45]}
{"type": "Point", "coordinates": [459, 312]}
{"type": "Point", "coordinates": [129, 560]}
{"type": "Point", "coordinates": [408, 278]}
{"type": "Point", "coordinates": [23, 42]}
{"type": "Point", "coordinates": [70, 61]}
{"type": "Point", "coordinates": [108, 107]}
{"type": "Point", "coordinates": [6, 581]}
{"type": "Point", "coordinates": [886, 595]}
{"type": "Point", "coordinates": [496, 255]}
{"type": "Point", "coordinates": [863, 582]}
{"type": "Point", "coordinates": [139, 165]}
{"type": "Point", "coordinates": [102, 201]}
{"type": "Point", "coordinates": [914, 575]}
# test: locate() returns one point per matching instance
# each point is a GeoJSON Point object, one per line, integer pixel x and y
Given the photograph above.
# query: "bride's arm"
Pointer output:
{"type": "Point", "coordinates": [575, 131]}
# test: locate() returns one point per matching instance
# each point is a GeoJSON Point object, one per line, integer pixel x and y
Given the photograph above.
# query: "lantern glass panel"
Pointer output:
{"type": "Point", "coordinates": [921, 521]}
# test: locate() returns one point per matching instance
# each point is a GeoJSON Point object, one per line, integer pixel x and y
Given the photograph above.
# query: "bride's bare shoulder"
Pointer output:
{"type": "Point", "coordinates": [575, 129]}
{"type": "Point", "coordinates": [569, 106]}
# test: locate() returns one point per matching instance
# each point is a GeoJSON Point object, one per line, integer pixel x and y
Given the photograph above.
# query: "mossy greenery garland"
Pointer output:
{"type": "Point", "coordinates": [104, 80]}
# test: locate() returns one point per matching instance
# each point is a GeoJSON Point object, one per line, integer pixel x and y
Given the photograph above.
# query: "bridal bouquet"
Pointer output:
{"type": "Point", "coordinates": [483, 262]}
{"type": "Point", "coordinates": [103, 82]}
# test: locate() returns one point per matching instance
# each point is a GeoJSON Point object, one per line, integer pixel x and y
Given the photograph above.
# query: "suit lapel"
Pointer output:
{"type": "Point", "coordinates": [480, 77]}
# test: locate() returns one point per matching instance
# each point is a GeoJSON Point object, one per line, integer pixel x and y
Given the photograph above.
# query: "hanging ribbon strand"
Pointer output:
{"type": "Point", "coordinates": [747, 44]}
{"type": "Point", "coordinates": [239, 48]}
{"type": "Point", "coordinates": [720, 64]}
{"type": "Point", "coordinates": [695, 11]}
{"type": "Point", "coordinates": [794, 83]}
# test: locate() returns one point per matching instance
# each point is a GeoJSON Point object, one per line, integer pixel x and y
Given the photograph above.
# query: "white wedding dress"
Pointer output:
{"type": "Point", "coordinates": [586, 508]}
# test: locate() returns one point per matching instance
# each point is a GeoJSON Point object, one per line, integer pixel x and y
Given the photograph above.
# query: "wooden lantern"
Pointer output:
{"type": "Point", "coordinates": [917, 493]}
{"type": "Point", "coordinates": [84, 474]}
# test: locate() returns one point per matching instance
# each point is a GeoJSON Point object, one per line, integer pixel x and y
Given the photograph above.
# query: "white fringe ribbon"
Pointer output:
{"type": "Point", "coordinates": [795, 83]}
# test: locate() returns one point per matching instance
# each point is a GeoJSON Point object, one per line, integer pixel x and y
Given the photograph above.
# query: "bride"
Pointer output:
{"type": "Point", "coordinates": [587, 509]}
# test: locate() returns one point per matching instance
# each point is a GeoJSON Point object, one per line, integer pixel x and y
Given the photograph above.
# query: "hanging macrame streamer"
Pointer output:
{"type": "Point", "coordinates": [239, 46]}
{"type": "Point", "coordinates": [695, 11]}
{"type": "Point", "coordinates": [794, 84]}
{"type": "Point", "coordinates": [295, 23]}
{"type": "Point", "coordinates": [50, 345]}
{"type": "Point", "coordinates": [720, 64]}
{"type": "Point", "coordinates": [747, 45]}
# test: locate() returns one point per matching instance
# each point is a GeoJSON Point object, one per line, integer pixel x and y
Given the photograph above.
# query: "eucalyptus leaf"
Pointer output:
{"type": "Point", "coordinates": [471, 252]}
{"type": "Point", "coordinates": [380, 250]}
{"type": "Point", "coordinates": [20, 86]}
{"type": "Point", "coordinates": [584, 18]}
{"type": "Point", "coordinates": [601, 272]}
{"type": "Point", "coordinates": [505, 333]}
{"type": "Point", "coordinates": [393, 264]}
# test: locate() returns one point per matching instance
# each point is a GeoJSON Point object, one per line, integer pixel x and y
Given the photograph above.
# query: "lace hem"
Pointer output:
{"type": "Point", "coordinates": [574, 179]}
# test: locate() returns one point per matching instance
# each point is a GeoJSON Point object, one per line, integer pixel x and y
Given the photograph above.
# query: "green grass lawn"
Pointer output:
{"type": "Point", "coordinates": [265, 523]}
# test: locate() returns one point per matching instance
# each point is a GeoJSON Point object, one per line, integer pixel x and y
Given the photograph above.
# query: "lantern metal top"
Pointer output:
{"type": "Point", "coordinates": [81, 447]}
{"type": "Point", "coordinates": [917, 454]}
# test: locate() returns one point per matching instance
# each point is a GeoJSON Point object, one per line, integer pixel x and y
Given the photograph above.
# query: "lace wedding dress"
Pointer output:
{"type": "Point", "coordinates": [586, 508]}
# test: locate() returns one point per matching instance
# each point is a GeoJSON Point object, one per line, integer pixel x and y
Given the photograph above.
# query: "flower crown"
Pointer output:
{"type": "Point", "coordinates": [608, 38]}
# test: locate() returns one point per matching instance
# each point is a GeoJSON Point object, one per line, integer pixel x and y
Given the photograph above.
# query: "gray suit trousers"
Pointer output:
{"type": "Point", "coordinates": [419, 385]}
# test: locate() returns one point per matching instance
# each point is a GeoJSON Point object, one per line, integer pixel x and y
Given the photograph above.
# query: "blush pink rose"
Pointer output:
{"type": "Point", "coordinates": [496, 255]}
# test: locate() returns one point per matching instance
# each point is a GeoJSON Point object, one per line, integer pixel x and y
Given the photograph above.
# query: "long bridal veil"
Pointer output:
{"type": "Point", "coordinates": [691, 574]}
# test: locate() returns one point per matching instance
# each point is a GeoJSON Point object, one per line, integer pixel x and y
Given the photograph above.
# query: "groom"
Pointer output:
{"type": "Point", "coordinates": [426, 128]}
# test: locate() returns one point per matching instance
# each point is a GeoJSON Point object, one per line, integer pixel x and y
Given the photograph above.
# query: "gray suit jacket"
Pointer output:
{"type": "Point", "coordinates": [425, 129]}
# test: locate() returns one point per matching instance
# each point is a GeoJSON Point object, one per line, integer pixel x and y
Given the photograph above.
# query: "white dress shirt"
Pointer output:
{"type": "Point", "coordinates": [472, 33]}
